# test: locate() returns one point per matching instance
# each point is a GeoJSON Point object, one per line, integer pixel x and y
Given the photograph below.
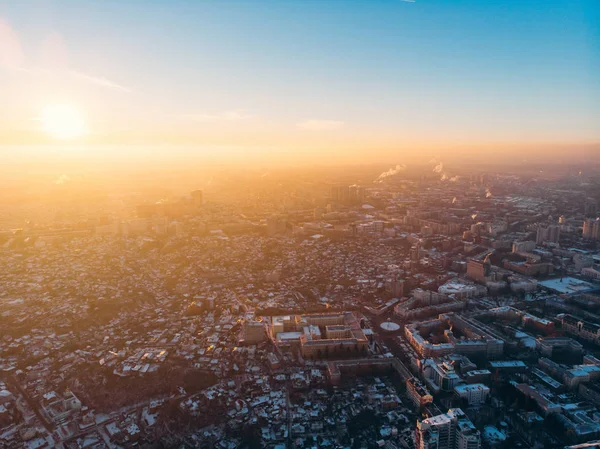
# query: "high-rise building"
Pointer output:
{"type": "Point", "coordinates": [348, 194]}
{"type": "Point", "coordinates": [344, 193]}
{"type": "Point", "coordinates": [353, 192]}
{"type": "Point", "coordinates": [197, 196]}
{"type": "Point", "coordinates": [474, 394]}
{"type": "Point", "coordinates": [467, 435]}
{"type": "Point", "coordinates": [415, 252]}
{"type": "Point", "coordinates": [254, 332]}
{"type": "Point", "coordinates": [591, 229]}
{"type": "Point", "coordinates": [553, 234]}
{"type": "Point", "coordinates": [550, 233]}
{"type": "Point", "coordinates": [478, 269]}
{"type": "Point", "coordinates": [335, 193]}
{"type": "Point", "coordinates": [452, 430]}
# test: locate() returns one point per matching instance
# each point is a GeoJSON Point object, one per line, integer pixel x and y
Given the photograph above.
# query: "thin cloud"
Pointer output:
{"type": "Point", "coordinates": [226, 116]}
{"type": "Point", "coordinates": [409, 1]}
{"type": "Point", "coordinates": [54, 59]}
{"type": "Point", "coordinates": [320, 125]}
{"type": "Point", "coordinates": [66, 73]}
{"type": "Point", "coordinates": [99, 81]}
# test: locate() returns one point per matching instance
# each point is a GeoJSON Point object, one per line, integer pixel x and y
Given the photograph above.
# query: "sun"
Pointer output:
{"type": "Point", "coordinates": [62, 121]}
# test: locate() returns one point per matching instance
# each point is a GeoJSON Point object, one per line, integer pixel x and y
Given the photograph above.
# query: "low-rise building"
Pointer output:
{"type": "Point", "coordinates": [474, 394]}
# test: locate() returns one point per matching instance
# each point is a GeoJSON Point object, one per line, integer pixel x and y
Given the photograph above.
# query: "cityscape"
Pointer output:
{"type": "Point", "coordinates": [415, 310]}
{"type": "Point", "coordinates": [285, 224]}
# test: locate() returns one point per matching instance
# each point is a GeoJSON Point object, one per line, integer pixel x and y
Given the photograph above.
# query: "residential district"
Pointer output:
{"type": "Point", "coordinates": [426, 308]}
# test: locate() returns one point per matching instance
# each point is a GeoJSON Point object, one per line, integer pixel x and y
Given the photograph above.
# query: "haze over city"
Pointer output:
{"type": "Point", "coordinates": [287, 224]}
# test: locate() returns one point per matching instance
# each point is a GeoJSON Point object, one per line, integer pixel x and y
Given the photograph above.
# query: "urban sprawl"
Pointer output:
{"type": "Point", "coordinates": [429, 310]}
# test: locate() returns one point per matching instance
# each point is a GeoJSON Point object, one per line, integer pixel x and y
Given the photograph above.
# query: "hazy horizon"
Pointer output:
{"type": "Point", "coordinates": [62, 158]}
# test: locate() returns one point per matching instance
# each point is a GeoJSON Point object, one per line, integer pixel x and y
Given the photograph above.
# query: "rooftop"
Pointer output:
{"type": "Point", "coordinates": [567, 285]}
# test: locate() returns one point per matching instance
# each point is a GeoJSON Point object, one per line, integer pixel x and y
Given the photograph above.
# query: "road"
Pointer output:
{"type": "Point", "coordinates": [288, 411]}
{"type": "Point", "coordinates": [32, 404]}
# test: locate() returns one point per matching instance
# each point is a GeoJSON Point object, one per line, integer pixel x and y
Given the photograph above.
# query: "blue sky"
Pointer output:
{"type": "Point", "coordinates": [313, 72]}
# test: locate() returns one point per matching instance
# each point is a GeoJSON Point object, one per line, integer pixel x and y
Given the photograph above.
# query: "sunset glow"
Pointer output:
{"type": "Point", "coordinates": [291, 224]}
{"type": "Point", "coordinates": [62, 121]}
{"type": "Point", "coordinates": [415, 86]}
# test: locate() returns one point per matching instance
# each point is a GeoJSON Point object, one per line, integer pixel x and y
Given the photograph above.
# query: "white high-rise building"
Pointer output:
{"type": "Point", "coordinates": [474, 394]}
{"type": "Point", "coordinates": [452, 430]}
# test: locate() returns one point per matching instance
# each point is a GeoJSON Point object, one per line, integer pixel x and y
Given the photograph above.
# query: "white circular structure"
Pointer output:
{"type": "Point", "coordinates": [389, 326]}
